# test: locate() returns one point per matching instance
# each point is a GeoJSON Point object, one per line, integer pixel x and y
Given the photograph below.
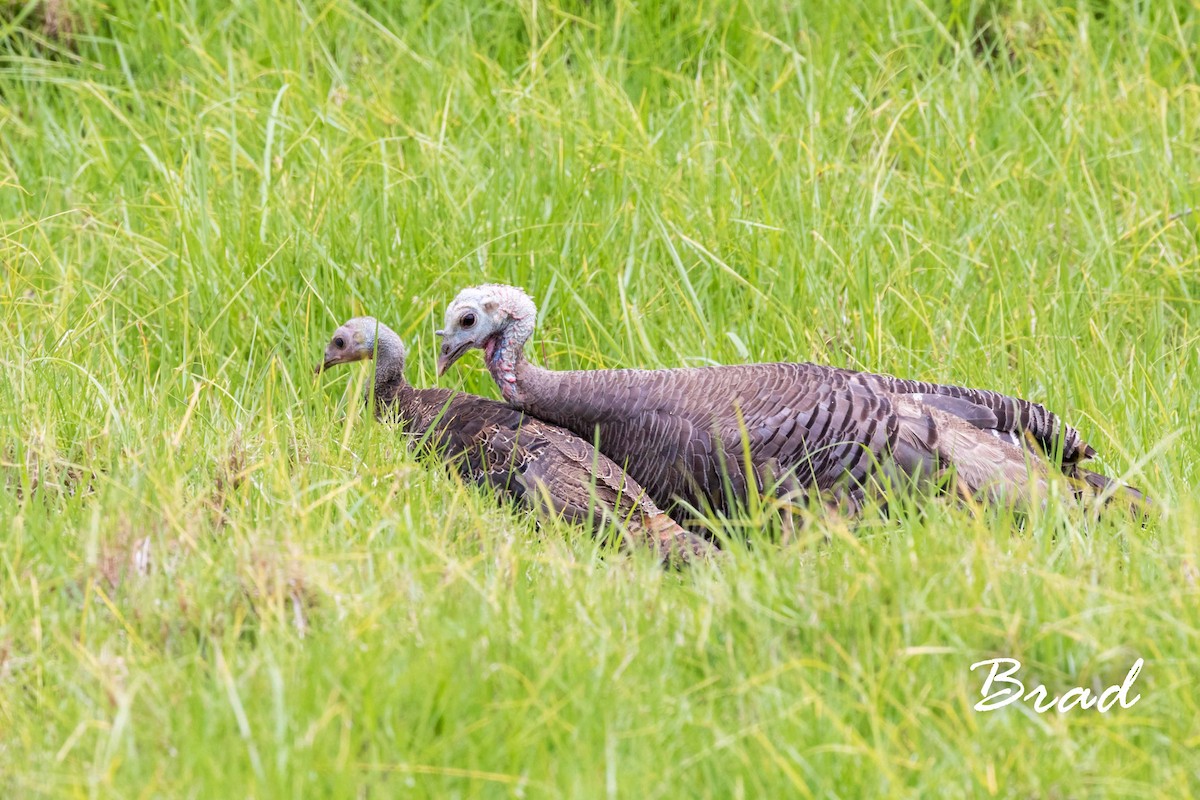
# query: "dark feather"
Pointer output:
{"type": "Point", "coordinates": [530, 462]}
{"type": "Point", "coordinates": [683, 433]}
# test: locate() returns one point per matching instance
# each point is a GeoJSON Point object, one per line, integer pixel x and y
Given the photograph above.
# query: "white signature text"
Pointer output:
{"type": "Point", "coordinates": [1001, 688]}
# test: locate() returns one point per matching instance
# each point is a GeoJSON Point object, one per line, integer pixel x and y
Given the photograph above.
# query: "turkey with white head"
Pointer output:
{"type": "Point", "coordinates": [804, 429]}
{"type": "Point", "coordinates": [521, 458]}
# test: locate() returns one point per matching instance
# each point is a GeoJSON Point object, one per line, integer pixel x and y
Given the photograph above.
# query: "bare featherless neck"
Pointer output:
{"type": "Point", "coordinates": [505, 352]}
{"type": "Point", "coordinates": [389, 355]}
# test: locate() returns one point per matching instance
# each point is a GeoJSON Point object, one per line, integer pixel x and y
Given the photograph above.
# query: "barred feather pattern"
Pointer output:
{"type": "Point", "coordinates": [704, 436]}
{"type": "Point", "coordinates": [999, 414]}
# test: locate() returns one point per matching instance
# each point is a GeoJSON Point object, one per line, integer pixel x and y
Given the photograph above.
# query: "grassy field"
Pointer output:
{"type": "Point", "coordinates": [218, 578]}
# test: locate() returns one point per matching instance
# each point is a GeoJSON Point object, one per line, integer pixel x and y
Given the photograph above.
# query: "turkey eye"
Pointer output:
{"type": "Point", "coordinates": [339, 343]}
{"type": "Point", "coordinates": [467, 321]}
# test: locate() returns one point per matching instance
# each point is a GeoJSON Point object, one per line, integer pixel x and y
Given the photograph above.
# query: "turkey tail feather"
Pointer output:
{"type": "Point", "coordinates": [985, 466]}
{"type": "Point", "coordinates": [1113, 491]}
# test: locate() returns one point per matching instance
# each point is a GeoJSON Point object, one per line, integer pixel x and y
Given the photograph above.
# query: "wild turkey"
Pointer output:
{"type": "Point", "coordinates": [490, 444]}
{"type": "Point", "coordinates": [685, 434]}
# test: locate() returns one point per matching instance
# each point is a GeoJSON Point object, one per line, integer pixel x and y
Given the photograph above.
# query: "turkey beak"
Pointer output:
{"type": "Point", "coordinates": [331, 358]}
{"type": "Point", "coordinates": [451, 351]}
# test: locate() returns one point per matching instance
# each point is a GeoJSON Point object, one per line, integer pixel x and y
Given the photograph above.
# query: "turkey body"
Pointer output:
{"type": "Point", "coordinates": [705, 436]}
{"type": "Point", "coordinates": [520, 458]}
{"type": "Point", "coordinates": [710, 437]}
{"type": "Point", "coordinates": [528, 461]}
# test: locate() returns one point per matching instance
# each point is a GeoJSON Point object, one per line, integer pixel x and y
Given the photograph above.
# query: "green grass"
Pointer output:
{"type": "Point", "coordinates": [219, 579]}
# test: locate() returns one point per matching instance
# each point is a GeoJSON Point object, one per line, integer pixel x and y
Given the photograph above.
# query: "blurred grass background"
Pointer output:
{"type": "Point", "coordinates": [219, 579]}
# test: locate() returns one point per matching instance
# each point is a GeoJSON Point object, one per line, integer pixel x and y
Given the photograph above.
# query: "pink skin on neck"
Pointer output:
{"type": "Point", "coordinates": [502, 364]}
{"type": "Point", "coordinates": [503, 351]}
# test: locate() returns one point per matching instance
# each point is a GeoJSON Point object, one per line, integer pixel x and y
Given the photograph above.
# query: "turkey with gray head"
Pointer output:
{"type": "Point", "coordinates": [705, 435]}
{"type": "Point", "coordinates": [490, 444]}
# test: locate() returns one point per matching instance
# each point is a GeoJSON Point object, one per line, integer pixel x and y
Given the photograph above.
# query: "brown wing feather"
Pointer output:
{"type": "Point", "coordinates": [580, 483]}
{"type": "Point", "coordinates": [538, 465]}
{"type": "Point", "coordinates": [1004, 415]}
{"type": "Point", "coordinates": [683, 433]}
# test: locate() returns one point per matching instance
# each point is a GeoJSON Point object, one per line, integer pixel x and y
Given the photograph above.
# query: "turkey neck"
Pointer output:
{"type": "Point", "coordinates": [390, 385]}
{"type": "Point", "coordinates": [505, 356]}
